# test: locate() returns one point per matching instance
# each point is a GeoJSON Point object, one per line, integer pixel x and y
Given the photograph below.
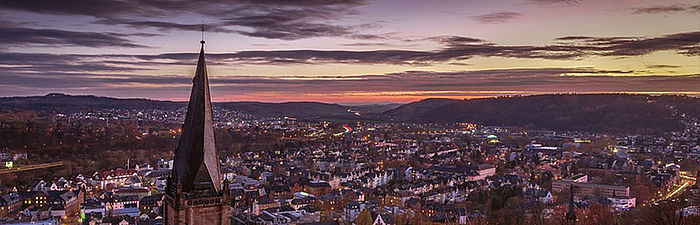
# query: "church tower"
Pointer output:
{"type": "Point", "coordinates": [194, 193]}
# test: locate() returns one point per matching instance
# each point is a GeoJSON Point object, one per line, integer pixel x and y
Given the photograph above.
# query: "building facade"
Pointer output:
{"type": "Point", "coordinates": [115, 177]}
{"type": "Point", "coordinates": [588, 189]}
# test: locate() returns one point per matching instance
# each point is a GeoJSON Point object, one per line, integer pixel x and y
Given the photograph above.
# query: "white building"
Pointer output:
{"type": "Point", "coordinates": [622, 203]}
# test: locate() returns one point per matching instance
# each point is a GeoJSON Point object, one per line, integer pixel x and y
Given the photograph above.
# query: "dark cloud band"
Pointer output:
{"type": "Point", "coordinates": [497, 17]}
{"type": "Point", "coordinates": [18, 36]}
{"type": "Point", "coordinates": [274, 19]}
{"type": "Point", "coordinates": [455, 49]}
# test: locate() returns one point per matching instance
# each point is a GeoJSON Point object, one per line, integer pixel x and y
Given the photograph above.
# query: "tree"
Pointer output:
{"type": "Point", "coordinates": [662, 214]}
{"type": "Point", "coordinates": [598, 215]}
{"type": "Point", "coordinates": [364, 218]}
{"type": "Point", "coordinates": [419, 218]}
{"type": "Point", "coordinates": [642, 192]}
{"type": "Point", "coordinates": [402, 219]}
{"type": "Point", "coordinates": [535, 216]}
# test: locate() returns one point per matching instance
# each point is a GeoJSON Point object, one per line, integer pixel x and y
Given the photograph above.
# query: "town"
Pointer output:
{"type": "Point", "coordinates": [364, 172]}
{"type": "Point", "coordinates": [349, 112]}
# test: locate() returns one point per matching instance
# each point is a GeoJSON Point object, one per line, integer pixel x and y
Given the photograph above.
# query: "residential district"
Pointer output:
{"type": "Point", "coordinates": [386, 173]}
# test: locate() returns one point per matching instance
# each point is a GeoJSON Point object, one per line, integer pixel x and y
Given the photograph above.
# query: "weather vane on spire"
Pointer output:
{"type": "Point", "coordinates": [202, 32]}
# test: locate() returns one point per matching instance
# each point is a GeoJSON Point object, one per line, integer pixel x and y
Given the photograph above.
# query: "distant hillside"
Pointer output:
{"type": "Point", "coordinates": [374, 108]}
{"type": "Point", "coordinates": [296, 109]}
{"type": "Point", "coordinates": [594, 112]}
{"type": "Point", "coordinates": [75, 103]}
{"type": "Point", "coordinates": [61, 103]}
{"type": "Point", "coordinates": [414, 110]}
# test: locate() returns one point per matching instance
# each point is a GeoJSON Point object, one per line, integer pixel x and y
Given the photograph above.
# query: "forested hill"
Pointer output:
{"type": "Point", "coordinates": [588, 112]}
{"type": "Point", "coordinates": [62, 103]}
{"type": "Point", "coordinates": [581, 112]}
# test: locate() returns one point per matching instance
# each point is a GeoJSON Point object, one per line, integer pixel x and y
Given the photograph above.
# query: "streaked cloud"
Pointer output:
{"type": "Point", "coordinates": [667, 9]}
{"type": "Point", "coordinates": [456, 49]}
{"type": "Point", "coordinates": [20, 36]}
{"type": "Point", "coordinates": [497, 17]}
{"type": "Point", "coordinates": [403, 86]}
{"type": "Point", "coordinates": [564, 2]}
{"type": "Point", "coordinates": [662, 66]}
{"type": "Point", "coordinates": [273, 19]}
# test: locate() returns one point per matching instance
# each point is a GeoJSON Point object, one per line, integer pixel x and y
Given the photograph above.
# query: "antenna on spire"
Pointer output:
{"type": "Point", "coordinates": [202, 32]}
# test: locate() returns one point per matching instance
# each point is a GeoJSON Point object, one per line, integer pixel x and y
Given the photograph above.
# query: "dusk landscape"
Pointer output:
{"type": "Point", "coordinates": [357, 112]}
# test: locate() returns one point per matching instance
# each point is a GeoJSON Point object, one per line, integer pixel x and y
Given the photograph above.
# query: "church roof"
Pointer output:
{"type": "Point", "coordinates": [196, 165]}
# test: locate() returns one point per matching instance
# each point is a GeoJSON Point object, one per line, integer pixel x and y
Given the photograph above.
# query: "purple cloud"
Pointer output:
{"type": "Point", "coordinates": [497, 17]}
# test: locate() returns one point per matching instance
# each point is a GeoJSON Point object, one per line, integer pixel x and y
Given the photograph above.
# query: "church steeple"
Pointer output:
{"type": "Point", "coordinates": [194, 194]}
{"type": "Point", "coordinates": [196, 166]}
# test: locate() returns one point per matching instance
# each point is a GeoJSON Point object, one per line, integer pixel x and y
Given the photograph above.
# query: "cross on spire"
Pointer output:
{"type": "Point", "coordinates": [202, 33]}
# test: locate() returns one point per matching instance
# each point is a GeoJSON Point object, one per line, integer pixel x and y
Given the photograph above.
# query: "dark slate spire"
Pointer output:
{"type": "Point", "coordinates": [196, 165]}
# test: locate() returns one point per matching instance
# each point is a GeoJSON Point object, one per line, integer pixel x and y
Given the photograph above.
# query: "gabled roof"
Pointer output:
{"type": "Point", "coordinates": [9, 198]}
{"type": "Point", "coordinates": [61, 196]}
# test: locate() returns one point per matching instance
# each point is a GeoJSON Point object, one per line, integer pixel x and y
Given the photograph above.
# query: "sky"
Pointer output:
{"type": "Point", "coordinates": [349, 51]}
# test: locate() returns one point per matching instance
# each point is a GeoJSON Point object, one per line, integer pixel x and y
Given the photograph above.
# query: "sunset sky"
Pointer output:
{"type": "Point", "coordinates": [349, 51]}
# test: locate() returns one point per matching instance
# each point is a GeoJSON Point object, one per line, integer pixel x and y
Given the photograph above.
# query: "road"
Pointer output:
{"type": "Point", "coordinates": [30, 167]}
{"type": "Point", "coordinates": [679, 189]}
{"type": "Point", "coordinates": [675, 190]}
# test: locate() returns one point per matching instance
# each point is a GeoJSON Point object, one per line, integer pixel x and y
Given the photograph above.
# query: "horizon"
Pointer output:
{"type": "Point", "coordinates": [372, 103]}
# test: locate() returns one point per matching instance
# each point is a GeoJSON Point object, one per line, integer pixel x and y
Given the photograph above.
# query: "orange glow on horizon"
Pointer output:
{"type": "Point", "coordinates": [397, 97]}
